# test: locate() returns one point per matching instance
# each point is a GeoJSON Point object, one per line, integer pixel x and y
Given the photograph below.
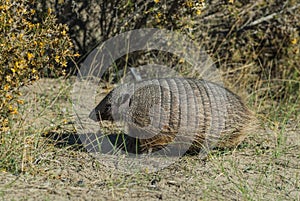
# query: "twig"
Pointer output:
{"type": "Point", "coordinates": [268, 17]}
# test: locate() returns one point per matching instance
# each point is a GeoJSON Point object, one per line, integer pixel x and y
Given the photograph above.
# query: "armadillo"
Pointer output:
{"type": "Point", "coordinates": [182, 113]}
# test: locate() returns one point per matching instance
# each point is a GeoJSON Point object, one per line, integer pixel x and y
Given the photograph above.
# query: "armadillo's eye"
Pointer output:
{"type": "Point", "coordinates": [122, 99]}
{"type": "Point", "coordinates": [130, 101]}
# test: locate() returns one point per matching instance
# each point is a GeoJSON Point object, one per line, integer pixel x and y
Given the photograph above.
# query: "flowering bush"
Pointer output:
{"type": "Point", "coordinates": [31, 44]}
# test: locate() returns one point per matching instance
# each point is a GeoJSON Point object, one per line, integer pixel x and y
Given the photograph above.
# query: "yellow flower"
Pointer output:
{"type": "Point", "coordinates": [64, 64]}
{"type": "Point", "coordinates": [49, 11]}
{"type": "Point", "coordinates": [30, 25]}
{"type": "Point", "coordinates": [294, 41]}
{"type": "Point", "coordinates": [6, 87]}
{"type": "Point", "coordinates": [156, 1]}
{"type": "Point", "coordinates": [57, 59]}
{"type": "Point", "coordinates": [198, 12]}
{"type": "Point", "coordinates": [76, 54]}
{"type": "Point", "coordinates": [34, 70]}
{"type": "Point", "coordinates": [36, 77]}
{"type": "Point", "coordinates": [8, 96]}
{"type": "Point", "coordinates": [21, 36]}
{"type": "Point", "coordinates": [41, 44]}
{"type": "Point", "coordinates": [32, 11]}
{"type": "Point", "coordinates": [20, 102]}
{"type": "Point", "coordinates": [158, 15]}
{"type": "Point", "coordinates": [13, 70]}
{"type": "Point", "coordinates": [181, 60]}
{"type": "Point", "coordinates": [14, 111]}
{"type": "Point", "coordinates": [189, 4]}
{"type": "Point", "coordinates": [30, 56]}
{"type": "Point", "coordinates": [64, 32]}
{"type": "Point", "coordinates": [17, 64]}
{"type": "Point", "coordinates": [231, 1]}
{"type": "Point", "coordinates": [4, 7]}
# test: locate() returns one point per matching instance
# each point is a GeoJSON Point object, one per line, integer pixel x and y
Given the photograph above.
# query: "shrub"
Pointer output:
{"type": "Point", "coordinates": [32, 45]}
{"type": "Point", "coordinates": [254, 43]}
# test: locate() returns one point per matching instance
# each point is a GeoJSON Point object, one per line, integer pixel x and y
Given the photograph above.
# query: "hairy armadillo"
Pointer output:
{"type": "Point", "coordinates": [180, 112]}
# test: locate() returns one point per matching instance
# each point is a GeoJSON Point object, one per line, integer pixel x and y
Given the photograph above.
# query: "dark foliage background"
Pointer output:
{"type": "Point", "coordinates": [254, 43]}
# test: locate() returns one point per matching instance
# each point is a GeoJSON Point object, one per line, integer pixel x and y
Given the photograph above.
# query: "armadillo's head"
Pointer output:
{"type": "Point", "coordinates": [113, 106]}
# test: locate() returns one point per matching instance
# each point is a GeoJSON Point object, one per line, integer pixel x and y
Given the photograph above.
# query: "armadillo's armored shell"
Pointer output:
{"type": "Point", "coordinates": [187, 113]}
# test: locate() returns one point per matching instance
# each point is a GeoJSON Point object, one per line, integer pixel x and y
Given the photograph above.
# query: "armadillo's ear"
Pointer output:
{"type": "Point", "coordinates": [93, 115]}
{"type": "Point", "coordinates": [122, 99]}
